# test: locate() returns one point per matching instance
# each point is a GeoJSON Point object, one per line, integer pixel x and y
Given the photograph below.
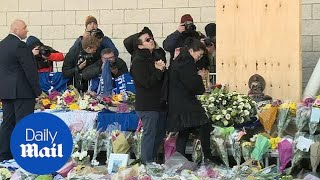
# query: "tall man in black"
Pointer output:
{"type": "Point", "coordinates": [18, 72]}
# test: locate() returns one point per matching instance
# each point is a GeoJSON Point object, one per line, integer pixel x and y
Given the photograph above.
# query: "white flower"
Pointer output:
{"type": "Point", "coordinates": [211, 106]}
{"type": "Point", "coordinates": [246, 112]}
{"type": "Point", "coordinates": [224, 102]}
{"type": "Point", "coordinates": [218, 117]}
{"type": "Point", "coordinates": [75, 155]}
{"type": "Point", "coordinates": [211, 99]}
{"type": "Point", "coordinates": [224, 111]}
{"type": "Point", "coordinates": [83, 104]}
{"type": "Point", "coordinates": [225, 123]}
{"type": "Point", "coordinates": [228, 116]}
{"type": "Point", "coordinates": [94, 162]}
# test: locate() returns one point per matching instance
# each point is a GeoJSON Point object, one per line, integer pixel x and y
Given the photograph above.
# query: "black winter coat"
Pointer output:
{"type": "Point", "coordinates": [148, 80]}
{"type": "Point", "coordinates": [18, 70]}
{"type": "Point", "coordinates": [185, 110]}
{"type": "Point", "coordinates": [79, 78]}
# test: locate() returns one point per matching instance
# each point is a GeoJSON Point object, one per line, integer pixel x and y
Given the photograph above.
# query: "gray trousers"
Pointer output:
{"type": "Point", "coordinates": [154, 131]}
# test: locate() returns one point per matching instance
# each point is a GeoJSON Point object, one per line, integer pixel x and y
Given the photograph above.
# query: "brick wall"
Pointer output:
{"type": "Point", "coordinates": [59, 22]}
{"type": "Point", "coordinates": [310, 37]}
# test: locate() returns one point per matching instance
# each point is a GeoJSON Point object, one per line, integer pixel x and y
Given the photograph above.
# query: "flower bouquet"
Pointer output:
{"type": "Point", "coordinates": [302, 116]}
{"type": "Point", "coordinates": [137, 139]}
{"type": "Point", "coordinates": [234, 139]}
{"type": "Point", "coordinates": [81, 158]}
{"type": "Point", "coordinates": [219, 136]}
{"type": "Point", "coordinates": [314, 117]}
{"type": "Point", "coordinates": [228, 108]}
{"type": "Point", "coordinates": [261, 147]}
{"type": "Point", "coordinates": [285, 150]}
{"type": "Point", "coordinates": [299, 153]}
{"type": "Point", "coordinates": [5, 174]}
{"type": "Point", "coordinates": [120, 143]}
{"type": "Point", "coordinates": [268, 116]}
{"type": "Point", "coordinates": [286, 112]}
{"type": "Point", "coordinates": [247, 148]}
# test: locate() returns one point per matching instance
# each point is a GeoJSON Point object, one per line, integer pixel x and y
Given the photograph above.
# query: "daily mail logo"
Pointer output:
{"type": "Point", "coordinates": [32, 150]}
{"type": "Point", "coordinates": [41, 143]}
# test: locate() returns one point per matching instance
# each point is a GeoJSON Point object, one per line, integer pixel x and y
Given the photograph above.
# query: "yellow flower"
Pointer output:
{"type": "Point", "coordinates": [73, 93]}
{"type": "Point", "coordinates": [74, 106]}
{"type": "Point", "coordinates": [267, 106]}
{"type": "Point", "coordinates": [116, 97]}
{"type": "Point", "coordinates": [274, 142]}
{"type": "Point", "coordinates": [45, 102]}
{"type": "Point", "coordinates": [5, 172]}
{"type": "Point", "coordinates": [53, 106]}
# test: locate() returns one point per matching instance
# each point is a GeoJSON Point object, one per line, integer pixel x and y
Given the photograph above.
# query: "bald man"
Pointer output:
{"type": "Point", "coordinates": [19, 81]}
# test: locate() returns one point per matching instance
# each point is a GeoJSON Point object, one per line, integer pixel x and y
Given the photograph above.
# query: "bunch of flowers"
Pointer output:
{"type": "Point", "coordinates": [228, 108]}
{"type": "Point", "coordinates": [137, 139]}
{"type": "Point", "coordinates": [286, 113]}
{"type": "Point", "coordinates": [5, 173]}
{"type": "Point", "coordinates": [90, 101]}
{"type": "Point", "coordinates": [80, 158]}
{"type": "Point", "coordinates": [70, 98]}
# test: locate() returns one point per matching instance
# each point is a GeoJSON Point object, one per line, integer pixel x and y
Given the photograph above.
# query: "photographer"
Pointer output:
{"type": "Point", "coordinates": [92, 29]}
{"type": "Point", "coordinates": [117, 65]}
{"type": "Point", "coordinates": [177, 39]}
{"type": "Point", "coordinates": [210, 43]}
{"type": "Point", "coordinates": [44, 55]}
{"type": "Point", "coordinates": [82, 63]}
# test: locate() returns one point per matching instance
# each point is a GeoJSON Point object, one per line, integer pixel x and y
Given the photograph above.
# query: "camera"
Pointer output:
{"type": "Point", "coordinates": [86, 57]}
{"type": "Point", "coordinates": [96, 33]}
{"type": "Point", "coordinates": [45, 50]}
{"type": "Point", "coordinates": [190, 27]}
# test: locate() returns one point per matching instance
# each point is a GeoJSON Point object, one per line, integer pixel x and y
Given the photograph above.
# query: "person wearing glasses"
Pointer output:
{"type": "Point", "coordinates": [117, 65]}
{"type": "Point", "coordinates": [147, 69]}
{"type": "Point", "coordinates": [185, 112]}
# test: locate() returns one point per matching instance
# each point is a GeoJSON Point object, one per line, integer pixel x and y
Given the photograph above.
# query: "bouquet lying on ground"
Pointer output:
{"type": "Point", "coordinates": [228, 108]}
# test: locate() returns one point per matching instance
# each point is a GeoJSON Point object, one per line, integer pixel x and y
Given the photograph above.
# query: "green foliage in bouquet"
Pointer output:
{"type": "Point", "coordinates": [228, 108]}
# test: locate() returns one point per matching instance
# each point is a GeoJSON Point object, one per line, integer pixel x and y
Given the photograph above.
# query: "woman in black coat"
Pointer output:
{"type": "Point", "coordinates": [185, 110]}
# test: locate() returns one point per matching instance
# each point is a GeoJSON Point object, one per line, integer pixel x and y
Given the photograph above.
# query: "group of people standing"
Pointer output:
{"type": "Point", "coordinates": [165, 97]}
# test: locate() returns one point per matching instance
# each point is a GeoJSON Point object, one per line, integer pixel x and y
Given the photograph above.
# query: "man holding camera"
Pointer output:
{"type": "Point", "coordinates": [44, 55]}
{"type": "Point", "coordinates": [91, 24]}
{"type": "Point", "coordinates": [117, 65]}
{"type": "Point", "coordinates": [176, 40]}
{"type": "Point", "coordinates": [82, 63]}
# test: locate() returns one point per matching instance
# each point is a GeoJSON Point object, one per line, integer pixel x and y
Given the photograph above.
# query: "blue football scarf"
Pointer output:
{"type": "Point", "coordinates": [102, 85]}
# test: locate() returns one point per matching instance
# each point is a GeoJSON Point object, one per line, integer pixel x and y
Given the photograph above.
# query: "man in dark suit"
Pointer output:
{"type": "Point", "coordinates": [19, 77]}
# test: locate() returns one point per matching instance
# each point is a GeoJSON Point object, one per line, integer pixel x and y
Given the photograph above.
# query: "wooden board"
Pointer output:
{"type": "Point", "coordinates": [260, 37]}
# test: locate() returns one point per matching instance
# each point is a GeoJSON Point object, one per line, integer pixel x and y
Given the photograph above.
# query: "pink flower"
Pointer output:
{"type": "Point", "coordinates": [68, 99]}
{"type": "Point", "coordinates": [317, 102]}
{"type": "Point", "coordinates": [107, 100]}
{"type": "Point", "coordinates": [53, 95]}
{"type": "Point", "coordinates": [308, 102]}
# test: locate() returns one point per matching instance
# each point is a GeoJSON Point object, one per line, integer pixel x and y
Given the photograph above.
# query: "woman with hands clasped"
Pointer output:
{"type": "Point", "coordinates": [186, 113]}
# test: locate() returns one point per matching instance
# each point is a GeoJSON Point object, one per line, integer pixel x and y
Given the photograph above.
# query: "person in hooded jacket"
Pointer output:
{"type": "Point", "coordinates": [44, 55]}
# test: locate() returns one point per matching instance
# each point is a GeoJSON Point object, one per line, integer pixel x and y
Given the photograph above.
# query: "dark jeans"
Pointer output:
{"type": "Point", "coordinates": [13, 111]}
{"type": "Point", "coordinates": [204, 133]}
{"type": "Point", "coordinates": [154, 131]}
